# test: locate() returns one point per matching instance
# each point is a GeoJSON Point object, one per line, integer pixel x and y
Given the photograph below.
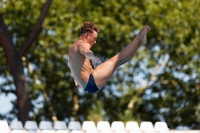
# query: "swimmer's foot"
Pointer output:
{"type": "Point", "coordinates": [143, 34]}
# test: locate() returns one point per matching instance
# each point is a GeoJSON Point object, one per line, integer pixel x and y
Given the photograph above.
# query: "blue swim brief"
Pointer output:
{"type": "Point", "coordinates": [91, 86]}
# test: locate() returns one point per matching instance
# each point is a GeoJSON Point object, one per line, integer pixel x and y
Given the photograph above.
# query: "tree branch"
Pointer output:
{"type": "Point", "coordinates": [36, 30]}
{"type": "Point", "coordinates": [153, 73]}
{"type": "Point", "coordinates": [17, 71]}
{"type": "Point", "coordinates": [6, 41]}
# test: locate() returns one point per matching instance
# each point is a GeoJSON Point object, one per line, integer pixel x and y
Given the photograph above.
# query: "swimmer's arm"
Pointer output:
{"type": "Point", "coordinates": [85, 50]}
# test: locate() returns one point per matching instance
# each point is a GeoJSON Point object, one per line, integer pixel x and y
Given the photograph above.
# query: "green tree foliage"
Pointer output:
{"type": "Point", "coordinates": [161, 82]}
{"type": "Point", "coordinates": [175, 54]}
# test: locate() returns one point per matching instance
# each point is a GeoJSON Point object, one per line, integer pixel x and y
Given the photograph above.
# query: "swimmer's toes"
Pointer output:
{"type": "Point", "coordinates": [143, 34]}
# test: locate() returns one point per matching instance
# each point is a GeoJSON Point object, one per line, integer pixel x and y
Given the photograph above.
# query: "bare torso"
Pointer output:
{"type": "Point", "coordinates": [80, 65]}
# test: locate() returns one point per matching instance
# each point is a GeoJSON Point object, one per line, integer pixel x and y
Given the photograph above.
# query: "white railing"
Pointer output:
{"type": "Point", "coordinates": [88, 127]}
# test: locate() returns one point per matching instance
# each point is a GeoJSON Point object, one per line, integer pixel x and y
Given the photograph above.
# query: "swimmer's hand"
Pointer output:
{"type": "Point", "coordinates": [75, 82]}
{"type": "Point", "coordinates": [96, 61]}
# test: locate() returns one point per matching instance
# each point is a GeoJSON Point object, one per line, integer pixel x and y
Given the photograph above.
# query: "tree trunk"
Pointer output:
{"type": "Point", "coordinates": [15, 62]}
{"type": "Point", "coordinates": [16, 67]}
{"type": "Point", "coordinates": [76, 103]}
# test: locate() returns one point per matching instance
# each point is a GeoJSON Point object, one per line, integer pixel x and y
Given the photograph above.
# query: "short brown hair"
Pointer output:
{"type": "Point", "coordinates": [89, 27]}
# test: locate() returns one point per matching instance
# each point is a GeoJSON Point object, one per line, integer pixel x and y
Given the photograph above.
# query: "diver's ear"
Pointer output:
{"type": "Point", "coordinates": [86, 35]}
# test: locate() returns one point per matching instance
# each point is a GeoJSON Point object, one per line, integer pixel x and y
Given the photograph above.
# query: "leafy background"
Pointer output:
{"type": "Point", "coordinates": [160, 83]}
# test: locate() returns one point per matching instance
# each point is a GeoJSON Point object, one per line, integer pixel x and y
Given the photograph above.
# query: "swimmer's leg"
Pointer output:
{"type": "Point", "coordinates": [105, 70]}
